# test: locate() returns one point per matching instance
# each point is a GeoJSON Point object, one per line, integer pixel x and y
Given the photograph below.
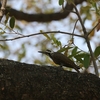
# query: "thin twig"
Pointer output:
{"type": "Point", "coordinates": [40, 34]}
{"type": "Point", "coordinates": [73, 31]}
{"type": "Point", "coordinates": [14, 32]}
{"type": "Point", "coordinates": [75, 26]}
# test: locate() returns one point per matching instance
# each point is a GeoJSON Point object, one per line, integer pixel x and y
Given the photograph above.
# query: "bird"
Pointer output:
{"type": "Point", "coordinates": [61, 59]}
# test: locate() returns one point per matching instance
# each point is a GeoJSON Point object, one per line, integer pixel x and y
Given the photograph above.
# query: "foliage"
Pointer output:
{"type": "Point", "coordinates": [12, 22]}
{"type": "Point", "coordinates": [88, 11]}
{"type": "Point", "coordinates": [61, 2]}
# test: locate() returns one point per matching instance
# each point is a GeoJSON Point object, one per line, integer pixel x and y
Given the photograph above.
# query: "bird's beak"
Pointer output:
{"type": "Point", "coordinates": [44, 52]}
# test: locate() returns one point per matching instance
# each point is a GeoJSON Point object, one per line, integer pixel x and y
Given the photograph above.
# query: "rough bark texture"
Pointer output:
{"type": "Point", "coordinates": [20, 81]}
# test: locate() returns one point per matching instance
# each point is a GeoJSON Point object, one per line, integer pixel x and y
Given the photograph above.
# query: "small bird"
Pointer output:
{"type": "Point", "coordinates": [61, 59]}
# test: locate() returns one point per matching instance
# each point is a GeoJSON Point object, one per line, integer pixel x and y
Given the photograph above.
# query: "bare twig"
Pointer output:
{"type": "Point", "coordinates": [75, 26]}
{"type": "Point", "coordinates": [73, 31]}
{"type": "Point", "coordinates": [14, 32]}
{"type": "Point", "coordinates": [40, 34]}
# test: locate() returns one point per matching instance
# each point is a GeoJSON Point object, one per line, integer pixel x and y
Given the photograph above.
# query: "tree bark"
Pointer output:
{"type": "Point", "coordinates": [21, 81]}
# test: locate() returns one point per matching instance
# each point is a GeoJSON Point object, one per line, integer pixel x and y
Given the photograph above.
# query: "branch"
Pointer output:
{"type": "Point", "coordinates": [21, 81]}
{"type": "Point", "coordinates": [87, 41]}
{"type": "Point", "coordinates": [73, 31]}
{"type": "Point", "coordinates": [83, 27]}
{"type": "Point", "coordinates": [19, 15]}
{"type": "Point", "coordinates": [40, 34]}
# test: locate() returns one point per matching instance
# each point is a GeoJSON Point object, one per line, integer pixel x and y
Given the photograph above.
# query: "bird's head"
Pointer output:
{"type": "Point", "coordinates": [47, 52]}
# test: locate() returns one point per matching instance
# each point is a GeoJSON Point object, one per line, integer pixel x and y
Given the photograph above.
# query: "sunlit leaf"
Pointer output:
{"type": "Point", "coordinates": [46, 35]}
{"type": "Point", "coordinates": [56, 41]}
{"type": "Point", "coordinates": [91, 34]}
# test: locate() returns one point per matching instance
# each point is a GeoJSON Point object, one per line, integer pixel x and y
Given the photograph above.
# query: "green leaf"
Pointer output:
{"type": "Point", "coordinates": [86, 61]}
{"type": "Point", "coordinates": [4, 47]}
{"type": "Point", "coordinates": [61, 2]}
{"type": "Point", "coordinates": [12, 22]}
{"type": "Point", "coordinates": [46, 35]}
{"type": "Point", "coordinates": [97, 51]}
{"type": "Point", "coordinates": [55, 41]}
{"type": "Point", "coordinates": [58, 43]}
{"type": "Point", "coordinates": [1, 46]}
{"type": "Point", "coordinates": [74, 51]}
{"type": "Point", "coordinates": [62, 49]}
{"type": "Point", "coordinates": [22, 53]}
{"type": "Point", "coordinates": [2, 32]}
{"type": "Point", "coordinates": [79, 57]}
